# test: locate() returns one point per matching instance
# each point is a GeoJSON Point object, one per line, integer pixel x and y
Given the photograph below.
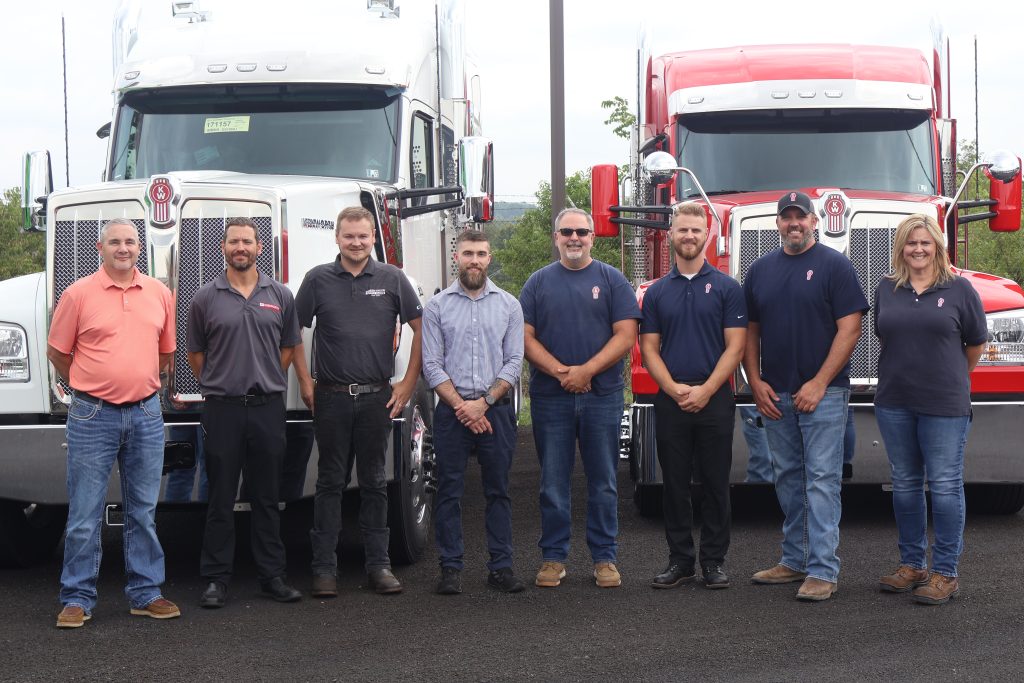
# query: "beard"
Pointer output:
{"type": "Point", "coordinates": [690, 252]}
{"type": "Point", "coordinates": [472, 279]}
{"type": "Point", "coordinates": [241, 266]}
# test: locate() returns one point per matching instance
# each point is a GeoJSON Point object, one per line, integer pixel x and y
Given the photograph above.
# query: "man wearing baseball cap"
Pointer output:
{"type": "Point", "coordinates": [805, 307]}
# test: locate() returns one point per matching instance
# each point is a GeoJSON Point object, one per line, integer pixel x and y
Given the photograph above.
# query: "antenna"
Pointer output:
{"type": "Point", "coordinates": [977, 144]}
{"type": "Point", "coordinates": [64, 61]}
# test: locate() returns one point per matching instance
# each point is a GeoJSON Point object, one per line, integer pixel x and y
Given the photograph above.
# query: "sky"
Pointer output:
{"type": "Point", "coordinates": [510, 43]}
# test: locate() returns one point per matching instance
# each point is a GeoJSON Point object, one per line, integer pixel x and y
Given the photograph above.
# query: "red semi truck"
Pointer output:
{"type": "Point", "coordinates": [866, 132]}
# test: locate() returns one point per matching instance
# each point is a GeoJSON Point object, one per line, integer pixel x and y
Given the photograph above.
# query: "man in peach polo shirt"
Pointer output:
{"type": "Point", "coordinates": [111, 334]}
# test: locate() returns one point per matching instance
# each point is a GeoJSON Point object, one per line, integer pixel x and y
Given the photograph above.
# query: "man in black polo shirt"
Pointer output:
{"type": "Point", "coordinates": [242, 331]}
{"type": "Point", "coordinates": [692, 337]}
{"type": "Point", "coordinates": [355, 301]}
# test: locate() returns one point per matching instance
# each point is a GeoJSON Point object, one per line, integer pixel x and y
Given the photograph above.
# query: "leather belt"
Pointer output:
{"type": "Point", "coordinates": [354, 389]}
{"type": "Point", "coordinates": [246, 400]}
{"type": "Point", "coordinates": [89, 398]}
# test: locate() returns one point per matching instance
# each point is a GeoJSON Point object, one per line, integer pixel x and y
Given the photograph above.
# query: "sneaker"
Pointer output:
{"type": "Point", "coordinates": [215, 595]}
{"type": "Point", "coordinates": [905, 578]}
{"type": "Point", "coordinates": [450, 582]}
{"type": "Point", "coordinates": [780, 573]}
{"type": "Point", "coordinates": [938, 590]}
{"type": "Point", "coordinates": [161, 608]}
{"type": "Point", "coordinates": [606, 575]}
{"type": "Point", "coordinates": [816, 590]}
{"type": "Point", "coordinates": [505, 581]}
{"type": "Point", "coordinates": [714, 576]}
{"type": "Point", "coordinates": [550, 574]}
{"type": "Point", "coordinates": [72, 616]}
{"type": "Point", "coordinates": [324, 586]}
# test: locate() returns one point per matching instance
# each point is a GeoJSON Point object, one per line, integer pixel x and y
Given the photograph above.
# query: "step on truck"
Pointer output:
{"type": "Point", "coordinates": [284, 114]}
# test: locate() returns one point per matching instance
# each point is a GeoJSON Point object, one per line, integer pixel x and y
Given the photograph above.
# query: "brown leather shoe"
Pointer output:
{"type": "Point", "coordinates": [606, 575]}
{"type": "Point", "coordinates": [72, 616]}
{"type": "Point", "coordinates": [816, 590]}
{"type": "Point", "coordinates": [780, 573]}
{"type": "Point", "coordinates": [550, 574]}
{"type": "Point", "coordinates": [161, 608]}
{"type": "Point", "coordinates": [903, 579]}
{"type": "Point", "coordinates": [938, 590]}
{"type": "Point", "coordinates": [383, 582]}
{"type": "Point", "coordinates": [324, 586]}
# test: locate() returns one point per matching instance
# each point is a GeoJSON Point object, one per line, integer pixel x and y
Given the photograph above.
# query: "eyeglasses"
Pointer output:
{"type": "Point", "coordinates": [568, 232]}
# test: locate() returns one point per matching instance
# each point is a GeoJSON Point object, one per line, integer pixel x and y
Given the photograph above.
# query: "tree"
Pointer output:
{"type": "Point", "coordinates": [621, 119]}
{"type": "Point", "coordinates": [20, 253]}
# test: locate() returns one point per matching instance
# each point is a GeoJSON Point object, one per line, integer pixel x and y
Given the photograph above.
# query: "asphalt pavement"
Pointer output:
{"type": "Point", "coordinates": [576, 632]}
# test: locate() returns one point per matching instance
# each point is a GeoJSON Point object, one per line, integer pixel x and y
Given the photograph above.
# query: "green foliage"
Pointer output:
{"type": "Point", "coordinates": [20, 253]}
{"type": "Point", "coordinates": [620, 119]}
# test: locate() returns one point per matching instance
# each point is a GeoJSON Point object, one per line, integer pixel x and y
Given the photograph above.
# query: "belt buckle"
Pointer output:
{"type": "Point", "coordinates": [353, 389]}
{"type": "Point", "coordinates": [247, 398]}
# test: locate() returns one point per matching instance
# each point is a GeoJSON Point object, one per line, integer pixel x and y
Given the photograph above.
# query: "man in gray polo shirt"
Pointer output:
{"type": "Point", "coordinates": [242, 331]}
{"type": "Point", "coordinates": [355, 301]}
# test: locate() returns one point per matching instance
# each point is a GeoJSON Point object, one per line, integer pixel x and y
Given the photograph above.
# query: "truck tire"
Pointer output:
{"type": "Point", "coordinates": [995, 499]}
{"type": "Point", "coordinates": [29, 533]}
{"type": "Point", "coordinates": [648, 500]}
{"type": "Point", "coordinates": [411, 496]}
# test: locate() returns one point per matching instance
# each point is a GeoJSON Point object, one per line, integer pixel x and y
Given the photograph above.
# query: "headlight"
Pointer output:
{"type": "Point", "coordinates": [13, 354]}
{"type": "Point", "coordinates": [1005, 344]}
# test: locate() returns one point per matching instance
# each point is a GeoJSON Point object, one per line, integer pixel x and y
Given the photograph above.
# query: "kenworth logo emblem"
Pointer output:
{"type": "Point", "coordinates": [162, 197]}
{"type": "Point", "coordinates": [835, 213]}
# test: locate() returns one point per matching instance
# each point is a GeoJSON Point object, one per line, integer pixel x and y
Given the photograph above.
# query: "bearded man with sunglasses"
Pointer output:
{"type": "Point", "coordinates": [580, 319]}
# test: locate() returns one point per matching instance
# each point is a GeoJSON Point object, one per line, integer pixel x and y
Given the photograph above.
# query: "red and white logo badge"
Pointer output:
{"type": "Point", "coordinates": [835, 212]}
{"type": "Point", "coordinates": [162, 197]}
{"type": "Point", "coordinates": [273, 307]}
{"type": "Point", "coordinates": [810, 274]}
{"type": "Point", "coordinates": [941, 301]}
{"type": "Point", "coordinates": [792, 196]}
{"type": "Point", "coordinates": [596, 291]}
{"type": "Point", "coordinates": [707, 288]}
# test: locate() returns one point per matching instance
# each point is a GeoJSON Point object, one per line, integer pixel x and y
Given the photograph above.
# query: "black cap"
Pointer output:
{"type": "Point", "coordinates": [797, 199]}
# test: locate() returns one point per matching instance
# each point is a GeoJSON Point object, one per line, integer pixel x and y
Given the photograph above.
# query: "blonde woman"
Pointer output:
{"type": "Point", "coordinates": [931, 325]}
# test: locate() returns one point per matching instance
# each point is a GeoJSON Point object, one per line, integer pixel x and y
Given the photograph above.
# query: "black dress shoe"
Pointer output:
{"type": "Point", "coordinates": [214, 596]}
{"type": "Point", "coordinates": [277, 589]}
{"type": "Point", "coordinates": [847, 470]}
{"type": "Point", "coordinates": [714, 577]}
{"type": "Point", "coordinates": [672, 577]}
{"type": "Point", "coordinates": [383, 581]}
{"type": "Point", "coordinates": [505, 581]}
{"type": "Point", "coordinates": [450, 582]}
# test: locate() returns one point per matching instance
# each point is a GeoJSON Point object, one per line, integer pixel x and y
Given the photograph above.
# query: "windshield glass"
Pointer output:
{"type": "Point", "coordinates": [291, 129]}
{"type": "Point", "coordinates": [885, 150]}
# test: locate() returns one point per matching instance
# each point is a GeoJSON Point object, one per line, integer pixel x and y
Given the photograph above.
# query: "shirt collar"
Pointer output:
{"type": "Point", "coordinates": [106, 282]}
{"type": "Point", "coordinates": [456, 288]}
{"type": "Point", "coordinates": [705, 270]}
{"type": "Point", "coordinates": [370, 268]}
{"type": "Point", "coordinates": [222, 280]}
{"type": "Point", "coordinates": [937, 285]}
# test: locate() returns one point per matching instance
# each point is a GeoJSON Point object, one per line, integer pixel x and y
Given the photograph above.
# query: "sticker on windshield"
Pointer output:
{"type": "Point", "coordinates": [227, 124]}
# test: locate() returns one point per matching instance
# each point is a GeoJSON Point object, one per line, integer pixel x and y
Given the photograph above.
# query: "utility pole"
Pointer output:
{"type": "Point", "coordinates": [557, 40]}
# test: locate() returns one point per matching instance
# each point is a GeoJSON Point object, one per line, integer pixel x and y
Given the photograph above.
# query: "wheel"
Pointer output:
{"type": "Point", "coordinates": [411, 496]}
{"type": "Point", "coordinates": [647, 498]}
{"type": "Point", "coordinates": [29, 533]}
{"type": "Point", "coordinates": [995, 499]}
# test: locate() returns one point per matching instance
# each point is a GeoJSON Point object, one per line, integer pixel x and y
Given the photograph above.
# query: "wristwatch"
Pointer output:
{"type": "Point", "coordinates": [489, 400]}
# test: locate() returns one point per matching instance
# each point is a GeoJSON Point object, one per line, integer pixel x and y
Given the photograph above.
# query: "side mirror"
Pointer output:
{"type": "Point", "coordinates": [604, 194]}
{"type": "Point", "coordinates": [36, 186]}
{"type": "Point", "coordinates": [104, 131]}
{"type": "Point", "coordinates": [660, 167]}
{"type": "Point", "coordinates": [476, 176]}
{"type": "Point", "coordinates": [1004, 176]}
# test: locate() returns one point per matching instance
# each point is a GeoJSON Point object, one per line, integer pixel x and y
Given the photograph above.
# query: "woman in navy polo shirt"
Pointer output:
{"type": "Point", "coordinates": [931, 325]}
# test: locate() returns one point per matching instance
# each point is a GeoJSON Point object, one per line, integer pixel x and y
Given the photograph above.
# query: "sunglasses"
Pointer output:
{"type": "Point", "coordinates": [568, 232]}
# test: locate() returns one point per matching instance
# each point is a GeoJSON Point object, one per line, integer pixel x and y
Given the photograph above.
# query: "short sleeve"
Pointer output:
{"type": "Point", "coordinates": [291, 333]}
{"type": "Point", "coordinates": [624, 306]}
{"type": "Point", "coordinates": [749, 283]}
{"type": "Point", "coordinates": [650, 322]}
{"type": "Point", "coordinates": [528, 299]}
{"type": "Point", "coordinates": [973, 325]}
{"type": "Point", "coordinates": [195, 328]}
{"type": "Point", "coordinates": [305, 300]}
{"type": "Point", "coordinates": [734, 306]}
{"type": "Point", "coordinates": [847, 295]}
{"type": "Point", "coordinates": [64, 324]}
{"type": "Point", "coordinates": [169, 334]}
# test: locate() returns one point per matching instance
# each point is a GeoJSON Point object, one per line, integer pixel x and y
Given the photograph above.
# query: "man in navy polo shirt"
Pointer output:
{"type": "Point", "coordinates": [692, 337]}
{"type": "Point", "coordinates": [581, 318]}
{"type": "Point", "coordinates": [805, 306]}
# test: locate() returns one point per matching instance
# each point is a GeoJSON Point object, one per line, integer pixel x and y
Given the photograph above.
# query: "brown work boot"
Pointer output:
{"type": "Point", "coordinates": [550, 574]}
{"type": "Point", "coordinates": [606, 575]}
{"type": "Point", "coordinates": [903, 579]}
{"type": "Point", "coordinates": [324, 586]}
{"type": "Point", "coordinates": [938, 590]}
{"type": "Point", "coordinates": [72, 616]}
{"type": "Point", "coordinates": [161, 608]}
{"type": "Point", "coordinates": [383, 581]}
{"type": "Point", "coordinates": [780, 573]}
{"type": "Point", "coordinates": [816, 590]}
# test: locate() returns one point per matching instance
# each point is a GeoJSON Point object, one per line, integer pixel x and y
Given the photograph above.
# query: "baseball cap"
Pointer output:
{"type": "Point", "coordinates": [797, 199]}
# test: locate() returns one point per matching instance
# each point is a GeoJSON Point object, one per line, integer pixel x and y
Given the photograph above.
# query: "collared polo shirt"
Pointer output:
{"type": "Point", "coordinates": [353, 342]}
{"type": "Point", "coordinates": [115, 335]}
{"type": "Point", "coordinates": [242, 338]}
{"type": "Point", "coordinates": [797, 299]}
{"type": "Point", "coordinates": [923, 364]}
{"type": "Point", "coordinates": [470, 341]}
{"type": "Point", "coordinates": [691, 316]}
{"type": "Point", "coordinates": [572, 313]}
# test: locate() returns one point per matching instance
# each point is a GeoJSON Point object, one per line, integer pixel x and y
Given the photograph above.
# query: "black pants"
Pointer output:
{"type": "Point", "coordinates": [237, 439]}
{"type": "Point", "coordinates": [696, 444]}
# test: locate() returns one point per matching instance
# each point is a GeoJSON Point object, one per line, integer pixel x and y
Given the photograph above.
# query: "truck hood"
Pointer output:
{"type": "Point", "coordinates": [997, 293]}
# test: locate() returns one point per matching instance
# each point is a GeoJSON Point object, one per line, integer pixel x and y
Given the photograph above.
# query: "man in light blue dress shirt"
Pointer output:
{"type": "Point", "coordinates": [472, 358]}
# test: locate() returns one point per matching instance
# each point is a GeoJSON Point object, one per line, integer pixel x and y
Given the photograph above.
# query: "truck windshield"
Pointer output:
{"type": "Point", "coordinates": [291, 129]}
{"type": "Point", "coordinates": [882, 150]}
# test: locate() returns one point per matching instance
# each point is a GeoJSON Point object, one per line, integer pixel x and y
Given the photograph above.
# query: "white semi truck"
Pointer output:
{"type": "Point", "coordinates": [281, 113]}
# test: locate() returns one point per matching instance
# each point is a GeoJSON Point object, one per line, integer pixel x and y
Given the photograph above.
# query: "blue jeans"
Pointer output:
{"type": "Point", "coordinates": [808, 454]}
{"type": "Point", "coordinates": [97, 435]}
{"type": "Point", "coordinates": [559, 422]}
{"type": "Point", "coordinates": [759, 462]}
{"type": "Point", "coordinates": [931, 446]}
{"type": "Point", "coordinates": [849, 438]}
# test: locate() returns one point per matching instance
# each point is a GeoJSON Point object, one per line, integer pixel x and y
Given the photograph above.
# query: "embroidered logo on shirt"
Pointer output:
{"type": "Point", "coordinates": [596, 291]}
{"type": "Point", "coordinates": [707, 288]}
{"type": "Point", "coordinates": [810, 274]}
{"type": "Point", "coordinates": [273, 307]}
{"type": "Point", "coordinates": [941, 301]}
{"type": "Point", "coordinates": [376, 292]}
